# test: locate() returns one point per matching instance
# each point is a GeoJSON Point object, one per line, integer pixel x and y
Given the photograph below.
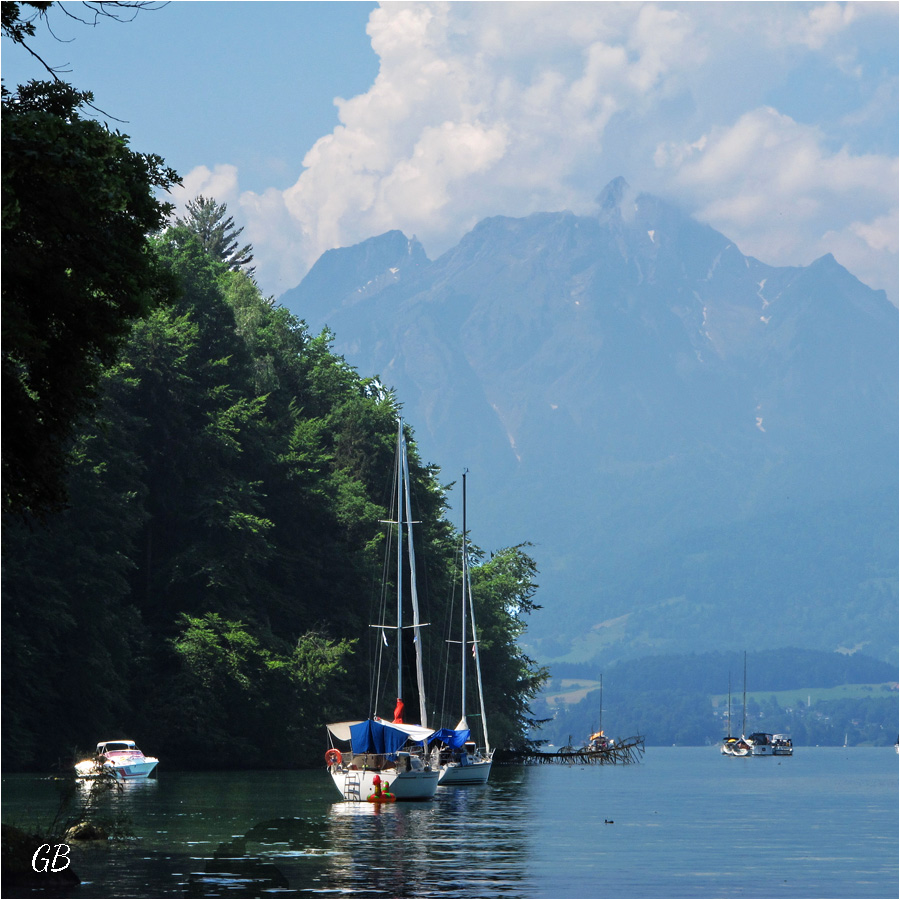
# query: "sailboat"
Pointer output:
{"type": "Point", "coordinates": [598, 740]}
{"type": "Point", "coordinates": [460, 760]}
{"type": "Point", "coordinates": [733, 746]}
{"type": "Point", "coordinates": [387, 759]}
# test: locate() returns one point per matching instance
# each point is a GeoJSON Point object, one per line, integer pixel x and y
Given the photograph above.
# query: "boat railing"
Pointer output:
{"type": "Point", "coordinates": [376, 761]}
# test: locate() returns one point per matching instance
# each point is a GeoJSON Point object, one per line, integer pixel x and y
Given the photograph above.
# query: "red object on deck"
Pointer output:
{"type": "Point", "coordinates": [398, 712]}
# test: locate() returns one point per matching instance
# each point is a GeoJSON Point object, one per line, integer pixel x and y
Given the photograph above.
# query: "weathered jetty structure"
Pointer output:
{"type": "Point", "coordinates": [623, 751]}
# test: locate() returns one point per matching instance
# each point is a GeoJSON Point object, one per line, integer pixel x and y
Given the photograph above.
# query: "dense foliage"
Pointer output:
{"type": "Point", "coordinates": [78, 204]}
{"type": "Point", "coordinates": [208, 589]}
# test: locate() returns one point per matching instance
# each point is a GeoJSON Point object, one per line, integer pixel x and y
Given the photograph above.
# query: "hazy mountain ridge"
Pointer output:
{"type": "Point", "coordinates": [633, 394]}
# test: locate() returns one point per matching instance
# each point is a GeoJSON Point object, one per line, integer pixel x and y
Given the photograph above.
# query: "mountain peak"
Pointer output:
{"type": "Point", "coordinates": [353, 273]}
{"type": "Point", "coordinates": [610, 198]}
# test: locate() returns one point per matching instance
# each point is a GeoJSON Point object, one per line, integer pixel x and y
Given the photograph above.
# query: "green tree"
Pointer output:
{"type": "Point", "coordinates": [217, 233]}
{"type": "Point", "coordinates": [16, 27]}
{"type": "Point", "coordinates": [78, 205]}
{"type": "Point", "coordinates": [503, 588]}
{"type": "Point", "coordinates": [73, 640]}
{"type": "Point", "coordinates": [230, 689]}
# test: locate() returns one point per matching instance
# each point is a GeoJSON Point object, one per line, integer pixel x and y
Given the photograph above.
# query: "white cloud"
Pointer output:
{"type": "Point", "coordinates": [770, 184]}
{"type": "Point", "coordinates": [481, 109]}
{"type": "Point", "coordinates": [220, 182]}
{"type": "Point", "coordinates": [815, 27]}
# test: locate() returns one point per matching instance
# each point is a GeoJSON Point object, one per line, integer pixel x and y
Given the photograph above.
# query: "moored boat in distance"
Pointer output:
{"type": "Point", "coordinates": [460, 760]}
{"type": "Point", "coordinates": [763, 744]}
{"type": "Point", "coordinates": [733, 746]}
{"type": "Point", "coordinates": [783, 744]}
{"type": "Point", "coordinates": [121, 758]}
{"type": "Point", "coordinates": [760, 743]}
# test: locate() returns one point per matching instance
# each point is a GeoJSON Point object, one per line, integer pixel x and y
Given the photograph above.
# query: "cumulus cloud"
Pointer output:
{"type": "Point", "coordinates": [220, 182]}
{"type": "Point", "coordinates": [771, 184]}
{"type": "Point", "coordinates": [481, 109]}
{"type": "Point", "coordinates": [815, 25]}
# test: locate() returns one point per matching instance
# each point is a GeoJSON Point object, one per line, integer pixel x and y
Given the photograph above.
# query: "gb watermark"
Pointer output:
{"type": "Point", "coordinates": [43, 862]}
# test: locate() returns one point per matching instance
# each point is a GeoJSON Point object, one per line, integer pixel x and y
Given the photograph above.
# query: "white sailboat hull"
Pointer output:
{"type": "Point", "coordinates": [360, 784]}
{"type": "Point", "coordinates": [456, 774]}
{"type": "Point", "coordinates": [736, 748]}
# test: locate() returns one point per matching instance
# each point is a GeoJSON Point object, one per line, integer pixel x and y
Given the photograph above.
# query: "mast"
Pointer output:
{"type": "Point", "coordinates": [729, 705]}
{"type": "Point", "coordinates": [744, 714]}
{"type": "Point", "coordinates": [417, 634]}
{"type": "Point", "coordinates": [465, 578]}
{"type": "Point", "coordinates": [600, 723]}
{"type": "Point", "coordinates": [400, 452]}
{"type": "Point", "coordinates": [468, 588]}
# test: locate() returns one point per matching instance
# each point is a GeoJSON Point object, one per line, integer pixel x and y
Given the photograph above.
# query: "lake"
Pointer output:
{"type": "Point", "coordinates": [685, 822]}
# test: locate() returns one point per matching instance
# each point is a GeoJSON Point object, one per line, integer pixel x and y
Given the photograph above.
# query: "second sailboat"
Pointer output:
{"type": "Point", "coordinates": [460, 760]}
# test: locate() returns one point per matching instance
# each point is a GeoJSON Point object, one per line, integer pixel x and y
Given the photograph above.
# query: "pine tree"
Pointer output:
{"type": "Point", "coordinates": [218, 235]}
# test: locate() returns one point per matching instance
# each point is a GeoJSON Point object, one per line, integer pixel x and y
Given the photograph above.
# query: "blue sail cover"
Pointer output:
{"type": "Point", "coordinates": [375, 737]}
{"type": "Point", "coordinates": [454, 739]}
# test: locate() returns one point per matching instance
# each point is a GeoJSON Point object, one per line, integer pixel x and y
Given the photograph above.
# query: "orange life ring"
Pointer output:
{"type": "Point", "coordinates": [332, 756]}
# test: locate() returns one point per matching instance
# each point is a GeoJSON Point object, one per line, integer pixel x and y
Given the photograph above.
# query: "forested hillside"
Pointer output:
{"type": "Point", "coordinates": [207, 591]}
{"type": "Point", "coordinates": [818, 698]}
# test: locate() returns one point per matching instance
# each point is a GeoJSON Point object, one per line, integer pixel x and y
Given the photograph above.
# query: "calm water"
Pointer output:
{"type": "Point", "coordinates": [686, 822]}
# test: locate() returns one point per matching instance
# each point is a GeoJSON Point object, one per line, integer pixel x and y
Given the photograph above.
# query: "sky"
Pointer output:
{"type": "Point", "coordinates": [321, 124]}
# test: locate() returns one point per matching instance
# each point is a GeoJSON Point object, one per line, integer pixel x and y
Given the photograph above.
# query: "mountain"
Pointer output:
{"type": "Point", "coordinates": [701, 447]}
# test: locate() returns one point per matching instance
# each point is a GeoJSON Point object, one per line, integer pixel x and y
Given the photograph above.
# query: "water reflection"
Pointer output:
{"type": "Point", "coordinates": [413, 849]}
{"type": "Point", "coordinates": [468, 841]}
{"type": "Point", "coordinates": [535, 832]}
{"type": "Point", "coordinates": [252, 834]}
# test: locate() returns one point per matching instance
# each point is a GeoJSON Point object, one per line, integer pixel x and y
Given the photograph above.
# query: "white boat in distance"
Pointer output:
{"type": "Point", "coordinates": [460, 760]}
{"type": "Point", "coordinates": [733, 746]}
{"type": "Point", "coordinates": [121, 759]}
{"type": "Point", "coordinates": [762, 744]}
{"type": "Point", "coordinates": [759, 743]}
{"type": "Point", "coordinates": [387, 760]}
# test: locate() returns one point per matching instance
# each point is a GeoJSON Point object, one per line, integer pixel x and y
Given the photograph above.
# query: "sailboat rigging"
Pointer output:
{"type": "Point", "coordinates": [460, 760]}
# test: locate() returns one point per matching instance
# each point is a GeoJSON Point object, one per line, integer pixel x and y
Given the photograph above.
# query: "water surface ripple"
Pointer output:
{"type": "Point", "coordinates": [686, 822]}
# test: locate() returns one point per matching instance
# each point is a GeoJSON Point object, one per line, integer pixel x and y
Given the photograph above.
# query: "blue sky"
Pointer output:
{"type": "Point", "coordinates": [322, 124]}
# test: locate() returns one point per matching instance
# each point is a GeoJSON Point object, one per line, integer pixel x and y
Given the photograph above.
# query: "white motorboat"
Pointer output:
{"type": "Point", "coordinates": [460, 760]}
{"type": "Point", "coordinates": [761, 744]}
{"type": "Point", "coordinates": [387, 760]}
{"type": "Point", "coordinates": [783, 744]}
{"type": "Point", "coordinates": [122, 759]}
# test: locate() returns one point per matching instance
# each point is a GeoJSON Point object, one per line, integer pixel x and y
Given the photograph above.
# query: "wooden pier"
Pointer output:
{"type": "Point", "coordinates": [622, 752]}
